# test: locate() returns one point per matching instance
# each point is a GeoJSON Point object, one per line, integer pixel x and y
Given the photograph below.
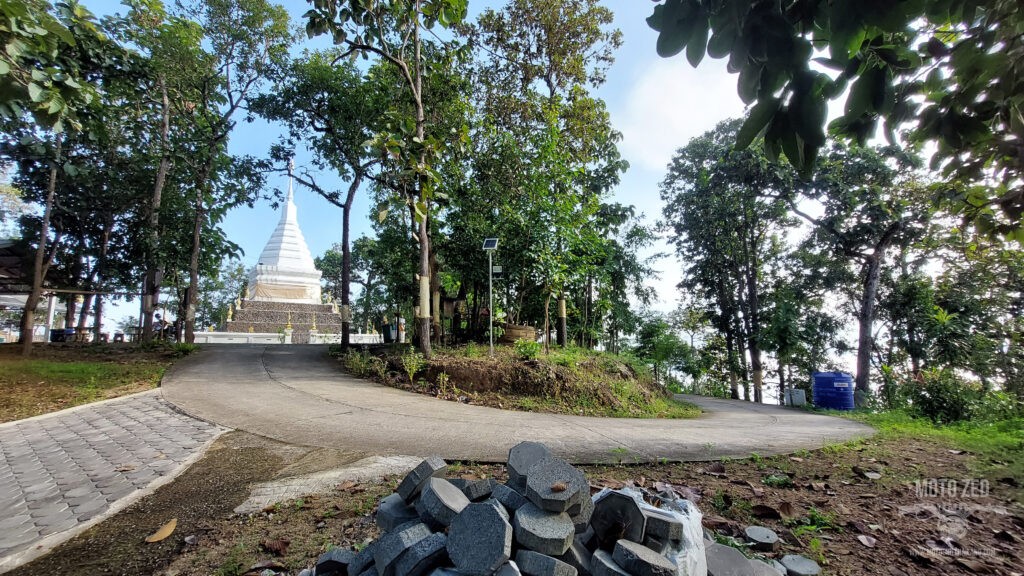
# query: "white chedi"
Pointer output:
{"type": "Point", "coordinates": [286, 272]}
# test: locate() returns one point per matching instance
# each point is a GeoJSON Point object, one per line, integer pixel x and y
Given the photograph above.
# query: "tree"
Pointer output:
{"type": "Point", "coordinates": [330, 109]}
{"type": "Point", "coordinates": [950, 73]}
{"type": "Point", "coordinates": [869, 205]}
{"type": "Point", "coordinates": [219, 292]}
{"type": "Point", "coordinates": [725, 224]}
{"type": "Point", "coordinates": [44, 70]}
{"type": "Point", "coordinates": [163, 104]}
{"type": "Point", "coordinates": [44, 73]}
{"type": "Point", "coordinates": [248, 43]}
{"type": "Point", "coordinates": [392, 31]}
{"type": "Point", "coordinates": [658, 344]}
{"type": "Point", "coordinates": [554, 52]}
{"type": "Point", "coordinates": [372, 301]}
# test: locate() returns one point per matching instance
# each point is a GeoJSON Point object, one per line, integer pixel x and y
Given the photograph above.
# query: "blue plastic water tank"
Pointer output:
{"type": "Point", "coordinates": [832, 390]}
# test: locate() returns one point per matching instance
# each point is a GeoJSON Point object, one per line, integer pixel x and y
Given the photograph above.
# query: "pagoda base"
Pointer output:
{"type": "Point", "coordinates": [263, 317]}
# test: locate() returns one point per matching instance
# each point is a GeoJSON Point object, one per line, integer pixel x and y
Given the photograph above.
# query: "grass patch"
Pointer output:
{"type": "Point", "coordinates": [998, 446]}
{"type": "Point", "coordinates": [31, 387]}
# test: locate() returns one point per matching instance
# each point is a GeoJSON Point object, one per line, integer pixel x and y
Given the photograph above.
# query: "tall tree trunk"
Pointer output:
{"type": "Point", "coordinates": [193, 264]}
{"type": "Point", "coordinates": [100, 270]}
{"type": "Point", "coordinates": [547, 324]}
{"type": "Point", "coordinates": [70, 307]}
{"type": "Point", "coordinates": [782, 382]}
{"type": "Point", "coordinates": [756, 367]}
{"type": "Point", "coordinates": [421, 120]}
{"type": "Point", "coordinates": [743, 332]}
{"type": "Point", "coordinates": [39, 265]}
{"type": "Point", "coordinates": [83, 314]}
{"type": "Point", "coordinates": [866, 318]}
{"type": "Point", "coordinates": [732, 362]}
{"type": "Point", "coordinates": [97, 313]}
{"type": "Point", "coordinates": [154, 267]}
{"type": "Point", "coordinates": [560, 334]}
{"type": "Point", "coordinates": [346, 260]}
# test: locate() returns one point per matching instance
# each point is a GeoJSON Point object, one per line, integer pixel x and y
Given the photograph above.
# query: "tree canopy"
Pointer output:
{"type": "Point", "coordinates": [928, 71]}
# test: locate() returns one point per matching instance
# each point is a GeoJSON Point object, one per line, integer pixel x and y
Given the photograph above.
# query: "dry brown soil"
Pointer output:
{"type": "Point", "coordinates": [823, 503]}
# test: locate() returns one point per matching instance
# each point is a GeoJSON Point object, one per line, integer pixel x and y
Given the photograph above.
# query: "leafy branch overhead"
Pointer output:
{"type": "Point", "coordinates": [924, 71]}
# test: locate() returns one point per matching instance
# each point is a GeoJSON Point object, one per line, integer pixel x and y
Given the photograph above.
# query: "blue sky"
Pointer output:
{"type": "Point", "coordinates": [657, 104]}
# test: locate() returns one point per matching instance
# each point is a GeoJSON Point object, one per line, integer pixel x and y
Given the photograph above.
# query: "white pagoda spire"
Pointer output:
{"type": "Point", "coordinates": [286, 272]}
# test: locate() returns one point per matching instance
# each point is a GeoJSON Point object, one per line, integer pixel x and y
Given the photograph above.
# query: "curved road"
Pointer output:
{"type": "Point", "coordinates": [296, 394]}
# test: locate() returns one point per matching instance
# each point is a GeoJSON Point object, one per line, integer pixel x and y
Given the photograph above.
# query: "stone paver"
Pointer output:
{"type": "Point", "coordinates": [61, 470]}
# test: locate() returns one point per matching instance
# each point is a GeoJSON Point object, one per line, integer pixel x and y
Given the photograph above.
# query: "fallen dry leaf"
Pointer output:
{"type": "Point", "coordinates": [716, 522]}
{"type": "Point", "coordinates": [764, 511]}
{"type": "Point", "coordinates": [787, 511]}
{"type": "Point", "coordinates": [866, 540]}
{"type": "Point", "coordinates": [973, 565]}
{"type": "Point", "coordinates": [163, 532]}
{"type": "Point", "coordinates": [1006, 536]}
{"type": "Point", "coordinates": [347, 484]}
{"type": "Point", "coordinates": [715, 469]}
{"type": "Point", "coordinates": [125, 468]}
{"type": "Point", "coordinates": [266, 565]}
{"type": "Point", "coordinates": [869, 474]}
{"type": "Point", "coordinates": [796, 459]}
{"type": "Point", "coordinates": [276, 546]}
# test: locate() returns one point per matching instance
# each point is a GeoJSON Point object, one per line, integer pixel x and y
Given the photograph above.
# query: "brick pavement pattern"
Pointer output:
{"type": "Point", "coordinates": [61, 470]}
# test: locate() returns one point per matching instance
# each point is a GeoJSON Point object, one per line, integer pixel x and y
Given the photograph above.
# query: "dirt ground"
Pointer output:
{"type": "Point", "coordinates": [866, 508]}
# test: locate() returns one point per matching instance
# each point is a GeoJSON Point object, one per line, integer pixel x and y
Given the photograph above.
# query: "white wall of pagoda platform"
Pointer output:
{"type": "Point", "coordinates": [279, 338]}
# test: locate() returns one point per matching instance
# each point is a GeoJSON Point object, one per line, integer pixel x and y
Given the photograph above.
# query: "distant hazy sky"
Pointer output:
{"type": "Point", "coordinates": [657, 104]}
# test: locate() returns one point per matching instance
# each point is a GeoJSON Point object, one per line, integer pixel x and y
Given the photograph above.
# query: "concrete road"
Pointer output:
{"type": "Point", "coordinates": [296, 394]}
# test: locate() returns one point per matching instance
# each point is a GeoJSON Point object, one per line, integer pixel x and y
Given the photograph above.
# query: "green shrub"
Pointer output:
{"type": "Point", "coordinates": [412, 362]}
{"type": "Point", "coordinates": [943, 397]}
{"type": "Point", "coordinates": [996, 406]}
{"type": "Point", "coordinates": [358, 363]}
{"type": "Point", "coordinates": [526, 349]}
{"type": "Point", "coordinates": [184, 348]}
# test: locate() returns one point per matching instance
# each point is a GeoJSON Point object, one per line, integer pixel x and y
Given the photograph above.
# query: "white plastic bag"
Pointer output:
{"type": "Point", "coordinates": [689, 557]}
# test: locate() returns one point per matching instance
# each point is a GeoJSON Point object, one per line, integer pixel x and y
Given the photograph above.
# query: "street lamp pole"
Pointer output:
{"type": "Point", "coordinates": [490, 245]}
{"type": "Point", "coordinates": [490, 296]}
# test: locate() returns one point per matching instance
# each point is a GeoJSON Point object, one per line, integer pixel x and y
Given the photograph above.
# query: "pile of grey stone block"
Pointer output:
{"type": "Point", "coordinates": [541, 522]}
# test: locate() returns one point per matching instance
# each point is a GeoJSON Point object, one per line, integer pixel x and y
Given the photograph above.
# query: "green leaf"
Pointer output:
{"type": "Point", "coordinates": [56, 105]}
{"type": "Point", "coordinates": [750, 78]}
{"type": "Point", "coordinates": [4, 67]}
{"type": "Point", "coordinates": [756, 122]}
{"type": "Point", "coordinates": [721, 42]}
{"type": "Point", "coordinates": [830, 63]}
{"type": "Point", "coordinates": [656, 18]}
{"type": "Point", "coordinates": [421, 210]}
{"type": "Point", "coordinates": [697, 46]}
{"type": "Point", "coordinates": [859, 100]}
{"type": "Point", "coordinates": [676, 28]}
{"type": "Point", "coordinates": [809, 119]}
{"type": "Point", "coordinates": [35, 92]}
{"type": "Point", "coordinates": [793, 147]}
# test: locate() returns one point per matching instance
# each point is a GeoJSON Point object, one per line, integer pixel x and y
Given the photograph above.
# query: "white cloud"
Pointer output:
{"type": "Point", "coordinates": [670, 102]}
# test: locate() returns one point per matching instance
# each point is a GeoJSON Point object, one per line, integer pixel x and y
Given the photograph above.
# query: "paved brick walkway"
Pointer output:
{"type": "Point", "coordinates": [59, 471]}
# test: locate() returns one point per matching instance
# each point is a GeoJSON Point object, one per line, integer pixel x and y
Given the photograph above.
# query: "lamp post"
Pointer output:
{"type": "Point", "coordinates": [490, 245]}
